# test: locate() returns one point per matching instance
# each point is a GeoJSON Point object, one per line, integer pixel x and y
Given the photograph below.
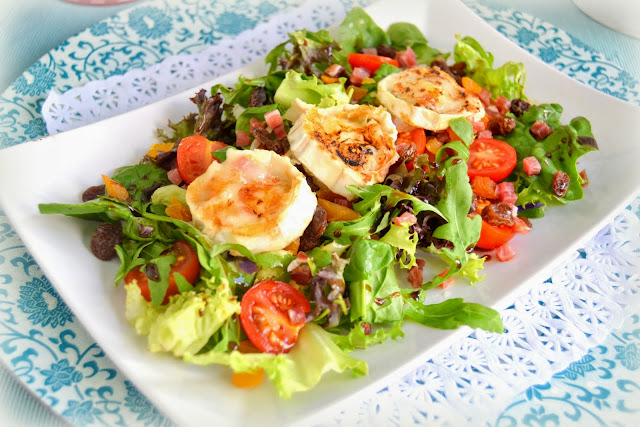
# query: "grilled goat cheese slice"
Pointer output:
{"type": "Point", "coordinates": [427, 97]}
{"type": "Point", "coordinates": [344, 145]}
{"type": "Point", "coordinates": [256, 198]}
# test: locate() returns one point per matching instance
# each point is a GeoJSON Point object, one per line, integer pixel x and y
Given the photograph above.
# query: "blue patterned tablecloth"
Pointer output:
{"type": "Point", "coordinates": [603, 388]}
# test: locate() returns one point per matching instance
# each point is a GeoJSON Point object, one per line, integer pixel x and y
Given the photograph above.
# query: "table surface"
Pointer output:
{"type": "Point", "coordinates": [56, 21]}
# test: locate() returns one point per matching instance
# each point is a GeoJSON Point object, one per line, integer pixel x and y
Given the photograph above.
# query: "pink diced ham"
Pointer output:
{"type": "Point", "coordinates": [531, 166]}
{"type": "Point", "coordinates": [407, 58]}
{"type": "Point", "coordinates": [174, 176]}
{"type": "Point", "coordinates": [541, 130]}
{"type": "Point", "coordinates": [273, 118]}
{"type": "Point", "coordinates": [406, 217]}
{"type": "Point", "coordinates": [334, 70]}
{"type": "Point", "coordinates": [507, 193]}
{"type": "Point", "coordinates": [358, 75]}
{"type": "Point", "coordinates": [242, 138]}
{"type": "Point", "coordinates": [505, 252]}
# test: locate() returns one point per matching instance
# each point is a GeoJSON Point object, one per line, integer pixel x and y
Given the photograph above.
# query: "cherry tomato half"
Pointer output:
{"type": "Point", "coordinates": [492, 236]}
{"type": "Point", "coordinates": [491, 158]}
{"type": "Point", "coordinates": [194, 156]}
{"type": "Point", "coordinates": [370, 62]}
{"type": "Point", "coordinates": [272, 314]}
{"type": "Point", "coordinates": [187, 264]}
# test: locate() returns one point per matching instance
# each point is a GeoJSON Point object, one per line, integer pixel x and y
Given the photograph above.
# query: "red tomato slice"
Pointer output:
{"type": "Point", "coordinates": [194, 156]}
{"type": "Point", "coordinates": [187, 264]}
{"type": "Point", "coordinates": [491, 158]}
{"type": "Point", "coordinates": [370, 62]}
{"type": "Point", "coordinates": [272, 314]}
{"type": "Point", "coordinates": [492, 236]}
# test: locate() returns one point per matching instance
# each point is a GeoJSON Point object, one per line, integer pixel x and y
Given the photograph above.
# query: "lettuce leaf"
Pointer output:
{"type": "Point", "coordinates": [310, 90]}
{"type": "Point", "coordinates": [314, 354]}
{"type": "Point", "coordinates": [559, 151]}
{"type": "Point", "coordinates": [186, 323]}
{"type": "Point", "coordinates": [358, 31]}
{"type": "Point", "coordinates": [403, 34]}
{"type": "Point", "coordinates": [507, 80]}
{"type": "Point", "coordinates": [374, 292]}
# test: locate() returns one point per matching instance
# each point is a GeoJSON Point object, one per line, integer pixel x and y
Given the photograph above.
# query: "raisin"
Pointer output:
{"type": "Point", "coordinates": [560, 183]}
{"type": "Point", "coordinates": [92, 193]}
{"type": "Point", "coordinates": [498, 214]}
{"type": "Point", "coordinates": [519, 106]}
{"type": "Point", "coordinates": [502, 125]}
{"type": "Point", "coordinates": [104, 240]}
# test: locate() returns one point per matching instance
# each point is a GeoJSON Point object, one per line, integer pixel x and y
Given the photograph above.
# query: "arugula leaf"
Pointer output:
{"type": "Point", "coordinates": [463, 232]}
{"type": "Point", "coordinates": [138, 179]}
{"type": "Point", "coordinates": [453, 313]}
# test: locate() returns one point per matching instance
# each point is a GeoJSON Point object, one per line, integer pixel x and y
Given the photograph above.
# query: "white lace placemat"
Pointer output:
{"type": "Point", "coordinates": [101, 99]}
{"type": "Point", "coordinates": [553, 324]}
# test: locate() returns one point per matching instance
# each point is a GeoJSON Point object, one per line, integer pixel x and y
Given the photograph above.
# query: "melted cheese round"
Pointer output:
{"type": "Point", "coordinates": [344, 145]}
{"type": "Point", "coordinates": [428, 98]}
{"type": "Point", "coordinates": [255, 198]}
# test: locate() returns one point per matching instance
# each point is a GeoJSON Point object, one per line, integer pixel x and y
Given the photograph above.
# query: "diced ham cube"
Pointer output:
{"type": "Point", "coordinates": [273, 118]}
{"type": "Point", "coordinates": [242, 138]}
{"type": "Point", "coordinates": [507, 193]}
{"type": "Point", "coordinates": [503, 104]}
{"type": "Point", "coordinates": [520, 226]}
{"type": "Point", "coordinates": [370, 51]}
{"type": "Point", "coordinates": [541, 130]}
{"type": "Point", "coordinates": [334, 70]}
{"type": "Point", "coordinates": [505, 253]}
{"type": "Point", "coordinates": [174, 176]}
{"type": "Point", "coordinates": [415, 273]}
{"type": "Point", "coordinates": [485, 134]}
{"type": "Point", "coordinates": [406, 217]}
{"type": "Point", "coordinates": [407, 58]}
{"type": "Point", "coordinates": [531, 166]}
{"type": "Point", "coordinates": [358, 75]}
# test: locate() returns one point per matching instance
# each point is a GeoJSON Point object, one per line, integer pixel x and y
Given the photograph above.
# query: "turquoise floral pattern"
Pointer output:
{"type": "Point", "coordinates": [61, 375]}
{"type": "Point", "coordinates": [628, 356]}
{"type": "Point", "coordinates": [42, 304]}
{"type": "Point", "coordinates": [587, 392]}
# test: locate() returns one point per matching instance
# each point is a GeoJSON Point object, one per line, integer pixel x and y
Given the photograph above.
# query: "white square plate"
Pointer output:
{"type": "Point", "coordinates": [60, 167]}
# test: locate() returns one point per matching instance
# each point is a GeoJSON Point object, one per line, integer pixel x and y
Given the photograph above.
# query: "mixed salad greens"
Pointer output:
{"type": "Point", "coordinates": [298, 312]}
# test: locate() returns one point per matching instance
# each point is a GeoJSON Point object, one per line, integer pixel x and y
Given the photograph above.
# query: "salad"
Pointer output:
{"type": "Point", "coordinates": [304, 214]}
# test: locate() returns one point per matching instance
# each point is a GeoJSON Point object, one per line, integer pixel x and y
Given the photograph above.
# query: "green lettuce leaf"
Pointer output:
{"type": "Point", "coordinates": [358, 338]}
{"type": "Point", "coordinates": [507, 80]}
{"type": "Point", "coordinates": [186, 323]}
{"type": "Point", "coordinates": [358, 31]}
{"type": "Point", "coordinates": [301, 369]}
{"type": "Point", "coordinates": [310, 90]}
{"type": "Point", "coordinates": [403, 34]}
{"type": "Point", "coordinates": [374, 292]}
{"type": "Point", "coordinates": [559, 151]}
